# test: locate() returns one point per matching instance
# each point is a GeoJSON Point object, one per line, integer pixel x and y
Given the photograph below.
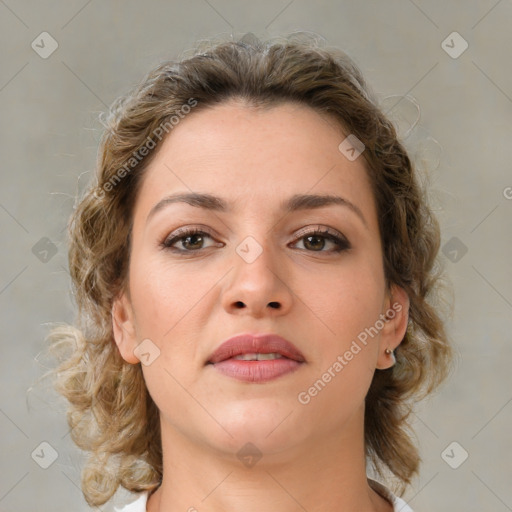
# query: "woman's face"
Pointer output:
{"type": "Point", "coordinates": [256, 267]}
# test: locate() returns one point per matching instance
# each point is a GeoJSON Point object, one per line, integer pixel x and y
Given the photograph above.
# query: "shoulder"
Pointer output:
{"type": "Point", "coordinates": [135, 503]}
{"type": "Point", "coordinates": [399, 505]}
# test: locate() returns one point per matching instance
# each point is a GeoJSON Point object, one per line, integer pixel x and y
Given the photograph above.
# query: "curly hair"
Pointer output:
{"type": "Point", "coordinates": [111, 414]}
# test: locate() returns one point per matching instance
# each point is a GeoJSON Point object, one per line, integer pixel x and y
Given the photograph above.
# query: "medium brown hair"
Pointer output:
{"type": "Point", "coordinates": [111, 413]}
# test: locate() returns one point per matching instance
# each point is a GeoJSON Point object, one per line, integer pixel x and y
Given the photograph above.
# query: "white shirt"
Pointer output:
{"type": "Point", "coordinates": [399, 505]}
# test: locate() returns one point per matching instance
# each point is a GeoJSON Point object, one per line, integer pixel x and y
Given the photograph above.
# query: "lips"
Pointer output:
{"type": "Point", "coordinates": [245, 344]}
{"type": "Point", "coordinates": [256, 358]}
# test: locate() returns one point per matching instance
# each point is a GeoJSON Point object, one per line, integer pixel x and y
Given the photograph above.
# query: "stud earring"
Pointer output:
{"type": "Point", "coordinates": [390, 352]}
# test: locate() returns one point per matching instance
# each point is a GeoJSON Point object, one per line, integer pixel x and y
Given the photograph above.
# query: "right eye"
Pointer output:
{"type": "Point", "coordinates": [191, 239]}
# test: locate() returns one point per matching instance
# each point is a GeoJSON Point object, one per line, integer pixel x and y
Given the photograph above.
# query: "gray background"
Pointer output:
{"type": "Point", "coordinates": [50, 131]}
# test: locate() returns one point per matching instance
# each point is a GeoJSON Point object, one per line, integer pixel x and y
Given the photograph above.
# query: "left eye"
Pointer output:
{"type": "Point", "coordinates": [317, 241]}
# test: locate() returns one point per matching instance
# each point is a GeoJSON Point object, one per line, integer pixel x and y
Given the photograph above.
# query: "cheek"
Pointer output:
{"type": "Point", "coordinates": [173, 305]}
{"type": "Point", "coordinates": [349, 306]}
{"type": "Point", "coordinates": [169, 305]}
{"type": "Point", "coordinates": [346, 357]}
{"type": "Point", "coordinates": [164, 293]}
{"type": "Point", "coordinates": [349, 300]}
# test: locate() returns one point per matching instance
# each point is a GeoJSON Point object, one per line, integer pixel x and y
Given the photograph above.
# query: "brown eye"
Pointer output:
{"type": "Point", "coordinates": [316, 241]}
{"type": "Point", "coordinates": [191, 240]}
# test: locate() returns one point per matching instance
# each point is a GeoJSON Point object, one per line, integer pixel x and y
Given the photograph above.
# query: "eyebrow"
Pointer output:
{"type": "Point", "coordinates": [295, 203]}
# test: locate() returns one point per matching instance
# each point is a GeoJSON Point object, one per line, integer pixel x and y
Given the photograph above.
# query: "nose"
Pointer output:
{"type": "Point", "coordinates": [258, 284]}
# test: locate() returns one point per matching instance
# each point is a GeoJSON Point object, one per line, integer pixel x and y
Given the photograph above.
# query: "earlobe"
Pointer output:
{"type": "Point", "coordinates": [393, 332]}
{"type": "Point", "coordinates": [123, 327]}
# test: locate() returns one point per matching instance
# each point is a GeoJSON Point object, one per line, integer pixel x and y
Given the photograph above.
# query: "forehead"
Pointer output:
{"type": "Point", "coordinates": [255, 155]}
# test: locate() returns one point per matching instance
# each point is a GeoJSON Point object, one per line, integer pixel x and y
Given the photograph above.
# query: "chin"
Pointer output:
{"type": "Point", "coordinates": [270, 426]}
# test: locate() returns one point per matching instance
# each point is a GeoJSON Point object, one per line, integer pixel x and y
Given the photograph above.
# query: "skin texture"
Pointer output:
{"type": "Point", "coordinates": [313, 454]}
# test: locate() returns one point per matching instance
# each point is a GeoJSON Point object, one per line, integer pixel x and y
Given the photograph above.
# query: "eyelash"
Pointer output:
{"type": "Point", "coordinates": [341, 242]}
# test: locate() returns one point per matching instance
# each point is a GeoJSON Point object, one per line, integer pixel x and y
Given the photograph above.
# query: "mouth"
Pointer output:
{"type": "Point", "coordinates": [259, 357]}
{"type": "Point", "coordinates": [256, 358]}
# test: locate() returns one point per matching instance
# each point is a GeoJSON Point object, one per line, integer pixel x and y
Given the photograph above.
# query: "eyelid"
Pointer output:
{"type": "Point", "coordinates": [188, 230]}
{"type": "Point", "coordinates": [302, 232]}
{"type": "Point", "coordinates": [333, 235]}
{"type": "Point", "coordinates": [320, 228]}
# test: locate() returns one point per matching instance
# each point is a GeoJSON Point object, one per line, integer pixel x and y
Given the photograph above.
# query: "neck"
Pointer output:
{"type": "Point", "coordinates": [327, 475]}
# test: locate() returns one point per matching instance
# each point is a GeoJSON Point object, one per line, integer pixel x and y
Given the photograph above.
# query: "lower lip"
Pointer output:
{"type": "Point", "coordinates": [256, 371]}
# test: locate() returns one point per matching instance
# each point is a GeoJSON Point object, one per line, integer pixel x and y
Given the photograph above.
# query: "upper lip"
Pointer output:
{"type": "Point", "coordinates": [255, 344]}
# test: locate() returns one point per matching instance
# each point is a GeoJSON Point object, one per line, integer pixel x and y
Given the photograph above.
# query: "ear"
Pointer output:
{"type": "Point", "coordinates": [396, 309]}
{"type": "Point", "coordinates": [123, 325]}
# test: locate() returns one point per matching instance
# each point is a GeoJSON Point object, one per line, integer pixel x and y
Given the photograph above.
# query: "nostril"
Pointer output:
{"type": "Point", "coordinates": [274, 305]}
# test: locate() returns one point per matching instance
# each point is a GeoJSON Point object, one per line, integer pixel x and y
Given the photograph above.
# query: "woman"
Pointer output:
{"type": "Point", "coordinates": [253, 267]}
